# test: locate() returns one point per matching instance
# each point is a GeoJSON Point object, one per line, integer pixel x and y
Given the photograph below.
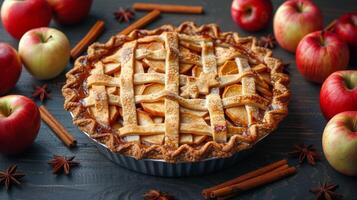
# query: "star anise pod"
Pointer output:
{"type": "Point", "coordinates": [41, 92]}
{"type": "Point", "coordinates": [62, 164]}
{"type": "Point", "coordinates": [305, 152]}
{"type": "Point", "coordinates": [124, 15]}
{"type": "Point", "coordinates": [157, 195]}
{"type": "Point", "coordinates": [10, 176]}
{"type": "Point", "coordinates": [267, 41]}
{"type": "Point", "coordinates": [326, 191]}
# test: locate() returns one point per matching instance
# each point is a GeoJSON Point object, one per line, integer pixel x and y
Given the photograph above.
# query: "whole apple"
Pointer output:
{"type": "Point", "coordinates": [319, 54]}
{"type": "Point", "coordinates": [339, 93]}
{"type": "Point", "coordinates": [45, 52]}
{"type": "Point", "coordinates": [252, 15]}
{"type": "Point", "coordinates": [346, 29]}
{"type": "Point", "coordinates": [293, 20]}
{"type": "Point", "coordinates": [19, 123]}
{"type": "Point", "coordinates": [339, 142]}
{"type": "Point", "coordinates": [69, 12]}
{"type": "Point", "coordinates": [10, 67]}
{"type": "Point", "coordinates": [20, 16]}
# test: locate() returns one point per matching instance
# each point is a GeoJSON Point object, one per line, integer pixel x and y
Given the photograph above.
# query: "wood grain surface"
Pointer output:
{"type": "Point", "coordinates": [99, 178]}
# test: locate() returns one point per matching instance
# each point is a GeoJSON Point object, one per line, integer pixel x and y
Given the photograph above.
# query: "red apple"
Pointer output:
{"type": "Point", "coordinates": [346, 29]}
{"type": "Point", "coordinates": [70, 11]}
{"type": "Point", "coordinates": [20, 16]}
{"type": "Point", "coordinates": [44, 52]}
{"type": "Point", "coordinates": [339, 93]}
{"type": "Point", "coordinates": [19, 123]}
{"type": "Point", "coordinates": [10, 68]}
{"type": "Point", "coordinates": [293, 20]}
{"type": "Point", "coordinates": [339, 142]}
{"type": "Point", "coordinates": [319, 54]}
{"type": "Point", "coordinates": [252, 15]}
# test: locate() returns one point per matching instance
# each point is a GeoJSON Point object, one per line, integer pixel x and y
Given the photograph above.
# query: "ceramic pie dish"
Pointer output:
{"type": "Point", "coordinates": [177, 95]}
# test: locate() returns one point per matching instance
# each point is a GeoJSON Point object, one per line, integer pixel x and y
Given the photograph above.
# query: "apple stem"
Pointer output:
{"type": "Point", "coordinates": [349, 82]}
{"type": "Point", "coordinates": [248, 12]}
{"type": "Point", "coordinates": [49, 37]}
{"type": "Point", "coordinates": [352, 125]}
{"type": "Point", "coordinates": [5, 111]}
{"type": "Point", "coordinates": [353, 21]}
{"type": "Point", "coordinates": [331, 26]}
{"type": "Point", "coordinates": [300, 6]}
{"type": "Point", "coordinates": [322, 40]}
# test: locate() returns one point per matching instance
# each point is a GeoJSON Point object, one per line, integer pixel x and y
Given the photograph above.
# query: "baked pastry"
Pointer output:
{"type": "Point", "coordinates": [181, 94]}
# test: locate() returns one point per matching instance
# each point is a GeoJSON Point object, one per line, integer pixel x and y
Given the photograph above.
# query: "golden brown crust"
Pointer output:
{"type": "Point", "coordinates": [276, 110]}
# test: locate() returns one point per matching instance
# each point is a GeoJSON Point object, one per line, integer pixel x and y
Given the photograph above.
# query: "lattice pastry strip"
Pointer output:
{"type": "Point", "coordinates": [127, 60]}
{"type": "Point", "coordinates": [194, 104]}
{"type": "Point", "coordinates": [204, 80]}
{"type": "Point", "coordinates": [248, 87]}
{"type": "Point", "coordinates": [214, 102]}
{"type": "Point", "coordinates": [172, 107]}
{"type": "Point", "coordinates": [99, 94]}
{"type": "Point", "coordinates": [196, 129]}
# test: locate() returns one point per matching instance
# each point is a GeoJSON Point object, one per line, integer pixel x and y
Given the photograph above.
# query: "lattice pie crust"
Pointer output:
{"type": "Point", "coordinates": [178, 94]}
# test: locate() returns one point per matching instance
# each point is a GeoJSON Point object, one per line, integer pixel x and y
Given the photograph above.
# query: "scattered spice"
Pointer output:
{"type": "Point", "coordinates": [41, 92]}
{"type": "Point", "coordinates": [326, 191]}
{"type": "Point", "coordinates": [62, 164]}
{"type": "Point", "coordinates": [305, 152]}
{"type": "Point", "coordinates": [10, 176]}
{"type": "Point", "coordinates": [267, 41]}
{"type": "Point", "coordinates": [124, 15]}
{"type": "Point", "coordinates": [157, 195]}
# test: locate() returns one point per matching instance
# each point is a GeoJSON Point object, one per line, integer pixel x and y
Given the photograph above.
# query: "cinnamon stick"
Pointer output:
{"type": "Point", "coordinates": [206, 192]}
{"type": "Point", "coordinates": [169, 8]}
{"type": "Point", "coordinates": [88, 39]}
{"type": "Point", "coordinates": [141, 22]}
{"type": "Point", "coordinates": [57, 127]}
{"type": "Point", "coordinates": [281, 168]}
{"type": "Point", "coordinates": [253, 183]}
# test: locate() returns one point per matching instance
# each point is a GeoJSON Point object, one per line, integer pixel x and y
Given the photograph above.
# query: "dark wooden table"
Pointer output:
{"type": "Point", "coordinates": [99, 178]}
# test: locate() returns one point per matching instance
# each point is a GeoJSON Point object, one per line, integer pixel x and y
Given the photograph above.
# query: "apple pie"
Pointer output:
{"type": "Point", "coordinates": [181, 94]}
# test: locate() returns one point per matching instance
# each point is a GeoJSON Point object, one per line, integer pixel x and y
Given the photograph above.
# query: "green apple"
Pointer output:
{"type": "Point", "coordinates": [44, 52]}
{"type": "Point", "coordinates": [339, 142]}
{"type": "Point", "coordinates": [293, 20]}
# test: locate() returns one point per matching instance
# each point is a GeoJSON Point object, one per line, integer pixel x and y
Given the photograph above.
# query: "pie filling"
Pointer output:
{"type": "Point", "coordinates": [172, 89]}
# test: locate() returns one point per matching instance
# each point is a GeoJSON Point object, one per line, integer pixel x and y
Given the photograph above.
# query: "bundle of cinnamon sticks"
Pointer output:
{"type": "Point", "coordinates": [259, 177]}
